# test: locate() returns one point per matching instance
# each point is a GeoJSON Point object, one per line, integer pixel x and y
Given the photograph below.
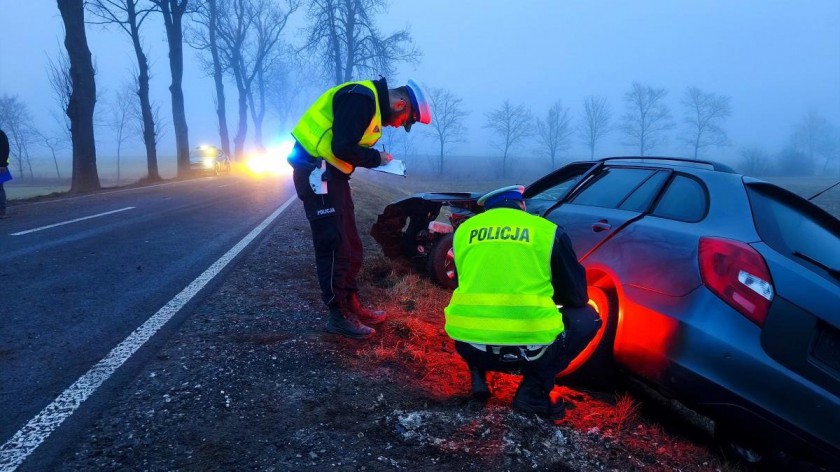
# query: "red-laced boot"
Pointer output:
{"type": "Point", "coordinates": [366, 315]}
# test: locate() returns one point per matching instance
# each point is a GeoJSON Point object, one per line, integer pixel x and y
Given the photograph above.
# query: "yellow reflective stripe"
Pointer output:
{"type": "Point", "coordinates": [321, 120]}
{"type": "Point", "coordinates": [501, 299]}
{"type": "Point", "coordinates": [529, 326]}
{"type": "Point", "coordinates": [504, 338]}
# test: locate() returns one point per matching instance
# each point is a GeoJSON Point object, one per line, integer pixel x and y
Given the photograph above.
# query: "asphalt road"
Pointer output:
{"type": "Point", "coordinates": [78, 275]}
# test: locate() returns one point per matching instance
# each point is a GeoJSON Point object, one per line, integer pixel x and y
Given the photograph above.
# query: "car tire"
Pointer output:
{"type": "Point", "coordinates": [441, 263]}
{"type": "Point", "coordinates": [594, 367]}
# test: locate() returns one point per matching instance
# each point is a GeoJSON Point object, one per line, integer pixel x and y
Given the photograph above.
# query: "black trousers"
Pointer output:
{"type": "Point", "coordinates": [335, 237]}
{"type": "Point", "coordinates": [581, 325]}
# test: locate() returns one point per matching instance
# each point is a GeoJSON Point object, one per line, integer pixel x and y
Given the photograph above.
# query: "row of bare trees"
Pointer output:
{"type": "Point", "coordinates": [643, 125]}
{"type": "Point", "coordinates": [241, 41]}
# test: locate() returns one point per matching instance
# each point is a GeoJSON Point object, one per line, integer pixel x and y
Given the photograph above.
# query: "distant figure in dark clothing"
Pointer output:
{"type": "Point", "coordinates": [4, 167]}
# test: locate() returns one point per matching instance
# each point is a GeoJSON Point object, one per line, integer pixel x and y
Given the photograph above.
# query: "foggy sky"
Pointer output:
{"type": "Point", "coordinates": [777, 60]}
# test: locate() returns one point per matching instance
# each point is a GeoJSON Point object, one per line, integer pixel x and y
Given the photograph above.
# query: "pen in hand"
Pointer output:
{"type": "Point", "coordinates": [384, 157]}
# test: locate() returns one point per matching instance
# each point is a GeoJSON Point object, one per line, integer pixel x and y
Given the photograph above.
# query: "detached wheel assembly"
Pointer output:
{"type": "Point", "coordinates": [441, 263]}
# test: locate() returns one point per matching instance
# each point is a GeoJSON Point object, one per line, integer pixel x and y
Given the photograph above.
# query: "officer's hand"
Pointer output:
{"type": "Point", "coordinates": [384, 158]}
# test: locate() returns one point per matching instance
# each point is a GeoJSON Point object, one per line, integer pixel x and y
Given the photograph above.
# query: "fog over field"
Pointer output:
{"type": "Point", "coordinates": [771, 67]}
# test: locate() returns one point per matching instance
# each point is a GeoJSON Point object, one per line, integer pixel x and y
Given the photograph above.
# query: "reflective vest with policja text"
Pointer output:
{"type": "Point", "coordinates": [314, 131]}
{"type": "Point", "coordinates": [504, 294]}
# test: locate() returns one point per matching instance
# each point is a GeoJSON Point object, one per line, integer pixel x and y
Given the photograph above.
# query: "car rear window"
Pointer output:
{"type": "Point", "coordinates": [794, 226]}
{"type": "Point", "coordinates": [612, 187]}
{"type": "Point", "coordinates": [685, 199]}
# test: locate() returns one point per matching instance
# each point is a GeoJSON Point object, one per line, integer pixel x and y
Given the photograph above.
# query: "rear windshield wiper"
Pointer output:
{"type": "Point", "coordinates": [831, 271]}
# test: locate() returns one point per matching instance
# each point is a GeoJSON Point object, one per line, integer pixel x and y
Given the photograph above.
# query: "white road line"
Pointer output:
{"type": "Point", "coordinates": [28, 438]}
{"type": "Point", "coordinates": [71, 221]}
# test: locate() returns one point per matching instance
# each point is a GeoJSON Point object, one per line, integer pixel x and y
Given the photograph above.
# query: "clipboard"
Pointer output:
{"type": "Point", "coordinates": [396, 167]}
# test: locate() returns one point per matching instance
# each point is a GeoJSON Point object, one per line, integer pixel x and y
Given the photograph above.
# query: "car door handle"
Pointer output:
{"type": "Point", "coordinates": [601, 225]}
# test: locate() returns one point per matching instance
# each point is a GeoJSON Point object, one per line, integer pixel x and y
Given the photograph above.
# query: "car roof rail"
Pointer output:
{"type": "Point", "coordinates": [717, 166]}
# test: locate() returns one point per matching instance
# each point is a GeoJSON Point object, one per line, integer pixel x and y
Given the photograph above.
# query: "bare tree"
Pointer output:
{"type": "Point", "coordinates": [286, 81]}
{"type": "Point", "coordinates": [128, 17]}
{"type": "Point", "coordinates": [58, 73]}
{"type": "Point", "coordinates": [754, 161]}
{"type": "Point", "coordinates": [448, 126]}
{"type": "Point", "coordinates": [16, 120]}
{"type": "Point", "coordinates": [269, 28]}
{"type": "Point", "coordinates": [646, 118]}
{"type": "Point", "coordinates": [792, 161]}
{"type": "Point", "coordinates": [120, 119]}
{"type": "Point", "coordinates": [54, 144]}
{"type": "Point", "coordinates": [595, 122]}
{"type": "Point", "coordinates": [248, 31]}
{"type": "Point", "coordinates": [511, 124]}
{"type": "Point", "coordinates": [553, 133]}
{"type": "Point", "coordinates": [705, 113]}
{"type": "Point", "coordinates": [82, 101]}
{"type": "Point", "coordinates": [816, 137]}
{"type": "Point", "coordinates": [345, 41]}
{"type": "Point", "coordinates": [206, 38]}
{"type": "Point", "coordinates": [173, 12]}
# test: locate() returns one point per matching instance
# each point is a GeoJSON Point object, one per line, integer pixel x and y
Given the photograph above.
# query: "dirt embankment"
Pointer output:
{"type": "Point", "coordinates": [252, 382]}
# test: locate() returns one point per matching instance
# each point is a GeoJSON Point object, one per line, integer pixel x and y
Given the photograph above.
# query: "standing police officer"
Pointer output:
{"type": "Point", "coordinates": [336, 135]}
{"type": "Point", "coordinates": [514, 269]}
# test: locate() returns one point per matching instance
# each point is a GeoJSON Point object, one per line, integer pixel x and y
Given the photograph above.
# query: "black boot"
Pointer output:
{"type": "Point", "coordinates": [344, 322]}
{"type": "Point", "coordinates": [371, 317]}
{"type": "Point", "coordinates": [532, 398]}
{"type": "Point", "coordinates": [478, 378]}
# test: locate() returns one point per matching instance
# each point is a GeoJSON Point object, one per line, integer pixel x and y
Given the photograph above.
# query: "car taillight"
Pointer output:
{"type": "Point", "coordinates": [737, 273]}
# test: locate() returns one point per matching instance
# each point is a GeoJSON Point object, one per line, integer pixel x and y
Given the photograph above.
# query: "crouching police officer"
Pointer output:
{"type": "Point", "coordinates": [333, 137]}
{"type": "Point", "coordinates": [514, 269]}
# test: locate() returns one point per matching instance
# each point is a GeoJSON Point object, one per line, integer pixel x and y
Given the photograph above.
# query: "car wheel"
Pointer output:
{"type": "Point", "coordinates": [441, 263]}
{"type": "Point", "coordinates": [594, 365]}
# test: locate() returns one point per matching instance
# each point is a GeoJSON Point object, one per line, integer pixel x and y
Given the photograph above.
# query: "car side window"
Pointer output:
{"type": "Point", "coordinates": [558, 190]}
{"type": "Point", "coordinates": [641, 198]}
{"type": "Point", "coordinates": [612, 187]}
{"type": "Point", "coordinates": [685, 199]}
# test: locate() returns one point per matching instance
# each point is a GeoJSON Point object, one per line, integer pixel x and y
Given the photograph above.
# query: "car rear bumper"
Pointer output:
{"type": "Point", "coordinates": [713, 361]}
{"type": "Point", "coordinates": [750, 421]}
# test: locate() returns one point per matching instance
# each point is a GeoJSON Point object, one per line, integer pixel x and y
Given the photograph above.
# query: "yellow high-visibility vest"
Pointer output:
{"type": "Point", "coordinates": [504, 294]}
{"type": "Point", "coordinates": [314, 131]}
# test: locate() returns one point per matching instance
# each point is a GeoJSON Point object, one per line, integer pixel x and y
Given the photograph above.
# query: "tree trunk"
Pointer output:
{"type": "Point", "coordinates": [221, 112]}
{"type": "Point", "coordinates": [143, 93]}
{"type": "Point", "coordinates": [173, 14]}
{"type": "Point", "coordinates": [339, 68]}
{"type": "Point", "coordinates": [83, 98]}
{"type": "Point", "coordinates": [55, 161]}
{"type": "Point", "coordinates": [349, 39]}
{"type": "Point", "coordinates": [440, 166]}
{"type": "Point", "coordinates": [242, 131]}
{"type": "Point", "coordinates": [258, 109]}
